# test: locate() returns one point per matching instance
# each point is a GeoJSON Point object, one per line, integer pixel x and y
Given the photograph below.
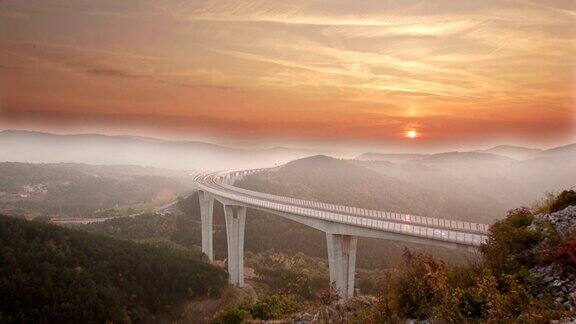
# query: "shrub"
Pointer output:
{"type": "Point", "coordinates": [329, 295]}
{"type": "Point", "coordinates": [509, 246]}
{"type": "Point", "coordinates": [385, 310]}
{"type": "Point", "coordinates": [500, 302]}
{"type": "Point", "coordinates": [417, 286]}
{"type": "Point", "coordinates": [297, 275]}
{"type": "Point", "coordinates": [471, 305]}
{"type": "Point", "coordinates": [233, 316]}
{"type": "Point", "coordinates": [564, 199]}
{"type": "Point", "coordinates": [542, 206]}
{"type": "Point", "coordinates": [268, 308]}
{"type": "Point", "coordinates": [564, 253]}
{"type": "Point", "coordinates": [519, 217]}
{"type": "Point", "coordinates": [427, 289]}
{"type": "Point", "coordinates": [511, 302]}
{"type": "Point", "coordinates": [371, 282]}
{"type": "Point", "coordinates": [274, 307]}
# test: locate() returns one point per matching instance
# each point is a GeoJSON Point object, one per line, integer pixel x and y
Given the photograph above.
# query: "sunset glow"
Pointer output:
{"type": "Point", "coordinates": [308, 70]}
{"type": "Point", "coordinates": [411, 134]}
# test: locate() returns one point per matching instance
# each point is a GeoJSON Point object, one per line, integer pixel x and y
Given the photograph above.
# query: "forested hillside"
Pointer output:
{"type": "Point", "coordinates": [515, 278]}
{"type": "Point", "coordinates": [344, 182]}
{"type": "Point", "coordinates": [80, 190]}
{"type": "Point", "coordinates": [487, 184]}
{"type": "Point", "coordinates": [56, 275]}
{"type": "Point", "coordinates": [468, 186]}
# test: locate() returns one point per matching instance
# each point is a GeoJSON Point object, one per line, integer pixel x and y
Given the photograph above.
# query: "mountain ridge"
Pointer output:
{"type": "Point", "coordinates": [39, 147]}
{"type": "Point", "coordinates": [515, 152]}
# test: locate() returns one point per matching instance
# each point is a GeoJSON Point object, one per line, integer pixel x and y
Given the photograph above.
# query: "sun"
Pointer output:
{"type": "Point", "coordinates": [411, 133]}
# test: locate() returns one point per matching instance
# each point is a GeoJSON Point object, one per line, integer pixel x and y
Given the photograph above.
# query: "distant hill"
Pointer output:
{"type": "Point", "coordinates": [508, 151]}
{"type": "Point", "coordinates": [50, 274]}
{"type": "Point", "coordinates": [27, 146]}
{"type": "Point", "coordinates": [513, 152]}
{"type": "Point", "coordinates": [500, 153]}
{"type": "Point", "coordinates": [492, 180]}
{"type": "Point", "coordinates": [465, 157]}
{"type": "Point", "coordinates": [464, 185]}
{"type": "Point", "coordinates": [468, 186]}
{"type": "Point", "coordinates": [343, 182]}
{"type": "Point", "coordinates": [390, 157]}
{"type": "Point", "coordinates": [559, 152]}
{"type": "Point", "coordinates": [80, 190]}
{"type": "Point", "coordinates": [346, 182]}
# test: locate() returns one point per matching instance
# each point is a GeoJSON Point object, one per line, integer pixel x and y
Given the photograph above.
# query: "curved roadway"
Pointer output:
{"type": "Point", "coordinates": [449, 231]}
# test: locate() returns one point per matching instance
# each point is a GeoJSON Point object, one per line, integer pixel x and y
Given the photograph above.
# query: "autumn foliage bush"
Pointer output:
{"type": "Point", "coordinates": [427, 288]}
{"type": "Point", "coordinates": [564, 199]}
{"type": "Point", "coordinates": [497, 289]}
{"type": "Point", "coordinates": [420, 286]}
{"type": "Point", "coordinates": [564, 253]}
{"type": "Point", "coordinates": [509, 246]}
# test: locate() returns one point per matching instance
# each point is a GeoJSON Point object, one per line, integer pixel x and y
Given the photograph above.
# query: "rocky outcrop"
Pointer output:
{"type": "Point", "coordinates": [557, 281]}
{"type": "Point", "coordinates": [564, 221]}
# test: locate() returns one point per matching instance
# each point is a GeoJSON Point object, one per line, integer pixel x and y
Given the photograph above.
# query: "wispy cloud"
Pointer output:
{"type": "Point", "coordinates": [116, 73]}
{"type": "Point", "coordinates": [271, 61]}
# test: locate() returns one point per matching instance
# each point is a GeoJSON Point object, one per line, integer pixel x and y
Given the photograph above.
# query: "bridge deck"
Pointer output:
{"type": "Point", "coordinates": [465, 233]}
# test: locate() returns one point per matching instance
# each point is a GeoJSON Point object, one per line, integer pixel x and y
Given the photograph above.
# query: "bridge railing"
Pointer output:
{"type": "Point", "coordinates": [389, 225]}
{"type": "Point", "coordinates": [398, 217]}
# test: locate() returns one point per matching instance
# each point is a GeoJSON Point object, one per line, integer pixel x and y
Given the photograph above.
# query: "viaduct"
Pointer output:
{"type": "Point", "coordinates": [342, 225]}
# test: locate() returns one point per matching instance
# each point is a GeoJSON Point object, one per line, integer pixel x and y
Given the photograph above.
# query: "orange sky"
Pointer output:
{"type": "Point", "coordinates": [300, 70]}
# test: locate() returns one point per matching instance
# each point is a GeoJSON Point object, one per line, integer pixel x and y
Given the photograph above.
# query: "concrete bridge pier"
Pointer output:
{"type": "Point", "coordinates": [206, 218]}
{"type": "Point", "coordinates": [342, 262]}
{"type": "Point", "coordinates": [235, 223]}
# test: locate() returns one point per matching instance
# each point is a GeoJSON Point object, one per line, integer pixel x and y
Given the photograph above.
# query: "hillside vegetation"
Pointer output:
{"type": "Point", "coordinates": [345, 182]}
{"type": "Point", "coordinates": [487, 184]}
{"type": "Point", "coordinates": [288, 237]}
{"type": "Point", "coordinates": [522, 261]}
{"type": "Point", "coordinates": [299, 268]}
{"type": "Point", "coordinates": [527, 275]}
{"type": "Point", "coordinates": [81, 190]}
{"type": "Point", "coordinates": [469, 186]}
{"type": "Point", "coordinates": [55, 275]}
{"type": "Point", "coordinates": [341, 182]}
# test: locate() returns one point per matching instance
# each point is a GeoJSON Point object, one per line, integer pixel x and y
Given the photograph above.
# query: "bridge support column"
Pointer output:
{"type": "Point", "coordinates": [206, 218]}
{"type": "Point", "coordinates": [235, 222]}
{"type": "Point", "coordinates": [342, 262]}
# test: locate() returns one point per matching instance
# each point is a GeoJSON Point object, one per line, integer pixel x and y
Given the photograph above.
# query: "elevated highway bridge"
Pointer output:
{"type": "Point", "coordinates": [342, 225]}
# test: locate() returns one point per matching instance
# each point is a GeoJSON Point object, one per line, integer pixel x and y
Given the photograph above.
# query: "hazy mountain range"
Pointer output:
{"type": "Point", "coordinates": [518, 153]}
{"type": "Point", "coordinates": [469, 186]}
{"type": "Point", "coordinates": [37, 147]}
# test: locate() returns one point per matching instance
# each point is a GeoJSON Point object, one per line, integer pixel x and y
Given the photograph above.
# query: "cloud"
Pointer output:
{"type": "Point", "coordinates": [32, 56]}
{"type": "Point", "coordinates": [311, 60]}
{"type": "Point", "coordinates": [210, 87]}
{"type": "Point", "coordinates": [116, 73]}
